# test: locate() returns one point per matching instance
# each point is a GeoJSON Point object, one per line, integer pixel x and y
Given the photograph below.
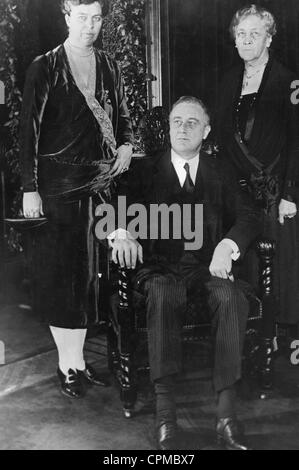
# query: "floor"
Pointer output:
{"type": "Point", "coordinates": [35, 416]}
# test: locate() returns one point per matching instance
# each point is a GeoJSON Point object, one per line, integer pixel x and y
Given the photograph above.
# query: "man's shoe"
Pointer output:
{"type": "Point", "coordinates": [90, 376]}
{"type": "Point", "coordinates": [71, 385]}
{"type": "Point", "coordinates": [167, 436]}
{"type": "Point", "coordinates": [229, 435]}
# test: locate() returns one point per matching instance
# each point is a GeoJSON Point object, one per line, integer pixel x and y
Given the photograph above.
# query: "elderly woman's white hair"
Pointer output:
{"type": "Point", "coordinates": [254, 10]}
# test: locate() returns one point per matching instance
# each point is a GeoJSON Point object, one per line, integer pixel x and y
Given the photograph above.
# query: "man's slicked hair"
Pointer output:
{"type": "Point", "coordinates": [193, 100]}
{"type": "Point", "coordinates": [67, 4]}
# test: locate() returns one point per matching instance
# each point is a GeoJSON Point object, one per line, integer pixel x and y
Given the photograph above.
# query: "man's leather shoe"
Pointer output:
{"type": "Point", "coordinates": [71, 385]}
{"type": "Point", "coordinates": [91, 377]}
{"type": "Point", "coordinates": [229, 435]}
{"type": "Point", "coordinates": [167, 436]}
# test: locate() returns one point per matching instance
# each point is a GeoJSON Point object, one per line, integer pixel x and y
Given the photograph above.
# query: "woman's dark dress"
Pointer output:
{"type": "Point", "coordinates": [61, 145]}
{"type": "Point", "coordinates": [267, 123]}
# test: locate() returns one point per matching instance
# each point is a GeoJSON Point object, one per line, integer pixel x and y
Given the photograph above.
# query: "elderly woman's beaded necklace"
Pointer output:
{"type": "Point", "coordinates": [247, 77]}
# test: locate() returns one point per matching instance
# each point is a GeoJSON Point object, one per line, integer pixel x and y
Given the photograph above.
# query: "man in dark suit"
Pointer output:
{"type": "Point", "coordinates": [168, 272]}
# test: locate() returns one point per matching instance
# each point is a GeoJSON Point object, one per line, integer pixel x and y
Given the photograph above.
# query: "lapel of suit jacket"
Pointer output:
{"type": "Point", "coordinates": [210, 194]}
{"type": "Point", "coordinates": [208, 189]}
{"type": "Point", "coordinates": [207, 179]}
{"type": "Point", "coordinates": [165, 179]}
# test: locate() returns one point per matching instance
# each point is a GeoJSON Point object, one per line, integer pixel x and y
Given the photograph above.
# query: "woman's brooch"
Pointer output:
{"type": "Point", "coordinates": [211, 148]}
{"type": "Point", "coordinates": [107, 97]}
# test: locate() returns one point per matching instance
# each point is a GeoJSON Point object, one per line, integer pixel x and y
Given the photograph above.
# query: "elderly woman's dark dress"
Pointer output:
{"type": "Point", "coordinates": [63, 152]}
{"type": "Point", "coordinates": [259, 134]}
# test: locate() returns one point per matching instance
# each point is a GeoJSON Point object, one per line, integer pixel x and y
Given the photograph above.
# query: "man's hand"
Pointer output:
{"type": "Point", "coordinates": [123, 160]}
{"type": "Point", "coordinates": [286, 209]}
{"type": "Point", "coordinates": [126, 251]}
{"type": "Point", "coordinates": [221, 264]}
{"type": "Point", "coordinates": [32, 205]}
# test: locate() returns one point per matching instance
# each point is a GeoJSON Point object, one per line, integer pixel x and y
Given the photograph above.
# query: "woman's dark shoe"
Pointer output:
{"type": "Point", "coordinates": [90, 376]}
{"type": "Point", "coordinates": [229, 434]}
{"type": "Point", "coordinates": [71, 385]}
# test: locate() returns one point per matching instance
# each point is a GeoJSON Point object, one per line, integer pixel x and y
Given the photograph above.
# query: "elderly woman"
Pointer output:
{"type": "Point", "coordinates": [75, 139]}
{"type": "Point", "coordinates": [258, 132]}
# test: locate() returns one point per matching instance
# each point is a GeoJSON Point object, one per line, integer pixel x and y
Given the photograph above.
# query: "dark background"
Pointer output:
{"type": "Point", "coordinates": [200, 46]}
{"type": "Point", "coordinates": [41, 29]}
{"type": "Point", "coordinates": [196, 44]}
{"type": "Point", "coordinates": [196, 49]}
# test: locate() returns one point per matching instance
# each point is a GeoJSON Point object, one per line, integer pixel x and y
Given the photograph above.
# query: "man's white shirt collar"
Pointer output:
{"type": "Point", "coordinates": [178, 164]}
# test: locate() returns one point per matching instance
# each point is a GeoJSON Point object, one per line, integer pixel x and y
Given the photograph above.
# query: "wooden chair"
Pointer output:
{"type": "Point", "coordinates": [127, 327]}
{"type": "Point", "coordinates": [127, 314]}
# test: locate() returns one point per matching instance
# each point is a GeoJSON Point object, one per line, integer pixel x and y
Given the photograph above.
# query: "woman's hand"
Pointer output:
{"type": "Point", "coordinates": [32, 205]}
{"type": "Point", "coordinates": [123, 160]}
{"type": "Point", "coordinates": [286, 209]}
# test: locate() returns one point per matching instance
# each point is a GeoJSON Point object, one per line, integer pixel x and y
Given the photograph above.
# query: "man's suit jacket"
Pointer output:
{"type": "Point", "coordinates": [229, 211]}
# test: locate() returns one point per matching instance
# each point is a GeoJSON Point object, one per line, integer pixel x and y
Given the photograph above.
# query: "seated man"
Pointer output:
{"type": "Point", "coordinates": [169, 269]}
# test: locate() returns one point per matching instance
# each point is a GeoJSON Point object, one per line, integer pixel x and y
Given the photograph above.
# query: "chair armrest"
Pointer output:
{"type": "Point", "coordinates": [123, 288]}
{"type": "Point", "coordinates": [125, 314]}
{"type": "Point", "coordinates": [266, 252]}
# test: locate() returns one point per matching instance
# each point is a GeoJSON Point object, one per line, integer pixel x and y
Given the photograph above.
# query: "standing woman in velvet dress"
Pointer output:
{"type": "Point", "coordinates": [258, 129]}
{"type": "Point", "coordinates": [76, 138]}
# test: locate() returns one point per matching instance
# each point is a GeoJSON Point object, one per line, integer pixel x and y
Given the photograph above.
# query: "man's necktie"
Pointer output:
{"type": "Point", "coordinates": [188, 184]}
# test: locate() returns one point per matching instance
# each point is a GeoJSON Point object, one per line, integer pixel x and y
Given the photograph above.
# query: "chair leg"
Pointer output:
{"type": "Point", "coordinates": [266, 367]}
{"type": "Point", "coordinates": [251, 354]}
{"type": "Point", "coordinates": [266, 249]}
{"type": "Point", "coordinates": [127, 375]}
{"type": "Point", "coordinates": [112, 351]}
{"type": "Point", "coordinates": [127, 381]}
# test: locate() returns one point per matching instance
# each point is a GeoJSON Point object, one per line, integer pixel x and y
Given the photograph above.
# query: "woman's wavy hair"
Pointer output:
{"type": "Point", "coordinates": [66, 5]}
{"type": "Point", "coordinates": [254, 10]}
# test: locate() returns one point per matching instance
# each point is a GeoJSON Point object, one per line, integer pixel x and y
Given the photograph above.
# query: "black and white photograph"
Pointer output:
{"type": "Point", "coordinates": [149, 231]}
